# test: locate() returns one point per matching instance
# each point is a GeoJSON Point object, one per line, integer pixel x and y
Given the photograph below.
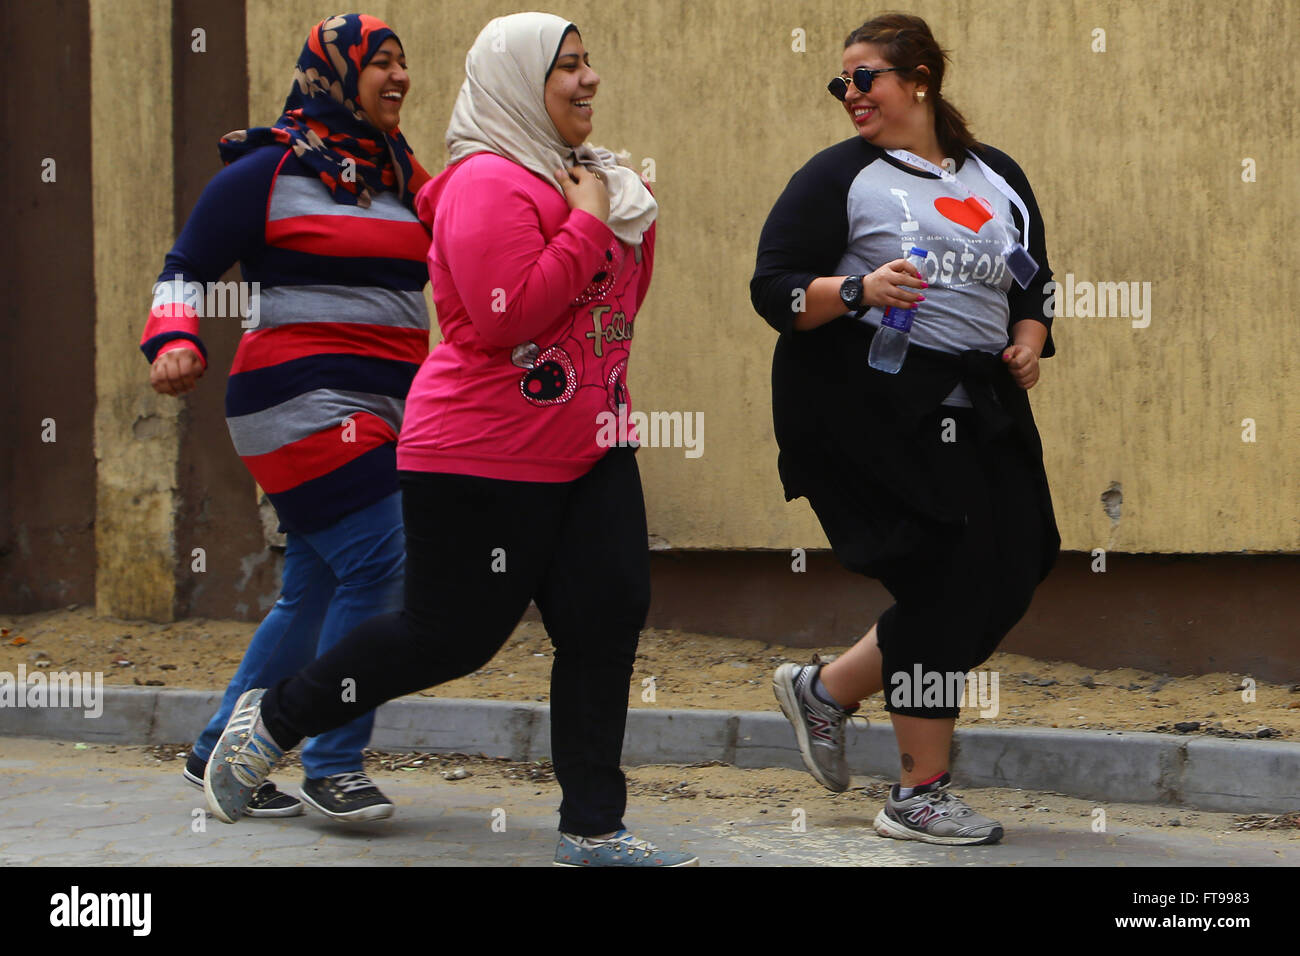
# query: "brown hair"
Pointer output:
{"type": "Point", "coordinates": [908, 44]}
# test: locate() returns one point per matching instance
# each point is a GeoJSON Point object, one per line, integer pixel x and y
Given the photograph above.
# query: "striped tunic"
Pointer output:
{"type": "Point", "coordinates": [336, 327]}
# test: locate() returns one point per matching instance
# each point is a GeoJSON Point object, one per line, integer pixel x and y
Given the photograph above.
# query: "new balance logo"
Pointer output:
{"type": "Point", "coordinates": [921, 815]}
{"type": "Point", "coordinates": [819, 727]}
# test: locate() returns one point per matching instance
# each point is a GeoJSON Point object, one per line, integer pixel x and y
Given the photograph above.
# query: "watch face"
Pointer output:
{"type": "Point", "coordinates": [851, 291]}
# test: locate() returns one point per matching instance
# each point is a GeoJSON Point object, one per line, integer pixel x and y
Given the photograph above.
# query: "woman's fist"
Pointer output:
{"type": "Point", "coordinates": [176, 372]}
{"type": "Point", "coordinates": [1022, 363]}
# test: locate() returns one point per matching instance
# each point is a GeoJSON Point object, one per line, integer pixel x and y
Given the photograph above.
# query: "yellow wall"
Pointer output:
{"type": "Point", "coordinates": [1135, 155]}
{"type": "Point", "coordinates": [136, 430]}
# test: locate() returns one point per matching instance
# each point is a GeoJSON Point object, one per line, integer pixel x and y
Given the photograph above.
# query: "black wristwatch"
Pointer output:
{"type": "Point", "coordinates": [851, 295]}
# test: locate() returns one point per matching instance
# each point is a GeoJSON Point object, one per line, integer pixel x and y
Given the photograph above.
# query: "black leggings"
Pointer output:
{"type": "Point", "coordinates": [477, 551]}
{"type": "Point", "coordinates": [956, 600]}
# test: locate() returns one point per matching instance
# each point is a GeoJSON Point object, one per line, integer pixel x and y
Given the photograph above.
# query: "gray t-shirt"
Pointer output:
{"type": "Point", "coordinates": [892, 208]}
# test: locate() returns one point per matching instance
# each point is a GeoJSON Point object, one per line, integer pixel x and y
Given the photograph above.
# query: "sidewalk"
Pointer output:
{"type": "Point", "coordinates": [1204, 773]}
{"type": "Point", "coordinates": [113, 806]}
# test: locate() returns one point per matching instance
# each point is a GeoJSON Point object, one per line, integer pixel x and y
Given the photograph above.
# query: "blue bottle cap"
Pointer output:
{"type": "Point", "coordinates": [918, 251]}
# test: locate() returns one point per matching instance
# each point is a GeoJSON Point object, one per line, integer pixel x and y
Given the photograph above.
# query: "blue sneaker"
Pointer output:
{"type": "Point", "coordinates": [267, 801]}
{"type": "Point", "coordinates": [241, 761]}
{"type": "Point", "coordinates": [622, 849]}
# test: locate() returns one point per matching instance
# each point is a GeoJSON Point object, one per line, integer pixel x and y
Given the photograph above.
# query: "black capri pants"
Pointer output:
{"type": "Point", "coordinates": [958, 590]}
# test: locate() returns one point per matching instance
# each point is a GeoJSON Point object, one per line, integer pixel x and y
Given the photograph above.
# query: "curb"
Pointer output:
{"type": "Point", "coordinates": [1242, 776]}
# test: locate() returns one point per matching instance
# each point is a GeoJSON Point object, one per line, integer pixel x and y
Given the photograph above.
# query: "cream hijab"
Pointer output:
{"type": "Point", "coordinates": [502, 109]}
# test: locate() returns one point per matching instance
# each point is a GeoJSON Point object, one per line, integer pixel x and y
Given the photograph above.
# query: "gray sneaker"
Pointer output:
{"type": "Point", "coordinates": [935, 816]}
{"type": "Point", "coordinates": [818, 726]}
{"type": "Point", "coordinates": [241, 761]}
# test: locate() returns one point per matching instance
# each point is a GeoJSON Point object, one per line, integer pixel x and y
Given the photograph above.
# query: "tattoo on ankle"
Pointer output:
{"type": "Point", "coordinates": [908, 762]}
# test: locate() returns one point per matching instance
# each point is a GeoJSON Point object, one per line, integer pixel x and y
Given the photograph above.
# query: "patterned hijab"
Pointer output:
{"type": "Point", "coordinates": [323, 122]}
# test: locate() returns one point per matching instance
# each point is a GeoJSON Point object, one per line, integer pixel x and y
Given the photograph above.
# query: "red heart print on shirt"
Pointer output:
{"type": "Point", "coordinates": [972, 213]}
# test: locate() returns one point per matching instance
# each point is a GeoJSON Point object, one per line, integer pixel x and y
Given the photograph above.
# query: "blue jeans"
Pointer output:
{"type": "Point", "coordinates": [334, 579]}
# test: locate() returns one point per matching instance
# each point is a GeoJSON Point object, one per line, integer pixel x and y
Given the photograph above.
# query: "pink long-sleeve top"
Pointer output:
{"type": "Point", "coordinates": [537, 305]}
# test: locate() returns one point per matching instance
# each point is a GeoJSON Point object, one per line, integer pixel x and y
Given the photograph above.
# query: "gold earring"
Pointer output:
{"type": "Point", "coordinates": [920, 96]}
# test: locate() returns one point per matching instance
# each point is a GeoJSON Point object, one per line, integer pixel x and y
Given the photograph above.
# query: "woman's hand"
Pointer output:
{"type": "Point", "coordinates": [176, 372]}
{"type": "Point", "coordinates": [880, 288]}
{"type": "Point", "coordinates": [584, 190]}
{"type": "Point", "coordinates": [1022, 363]}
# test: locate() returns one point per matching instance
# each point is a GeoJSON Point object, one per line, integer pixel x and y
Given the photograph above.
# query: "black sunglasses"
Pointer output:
{"type": "Point", "coordinates": [862, 79]}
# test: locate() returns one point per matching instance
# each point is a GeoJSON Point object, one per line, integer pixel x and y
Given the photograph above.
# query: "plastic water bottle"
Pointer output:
{"type": "Point", "coordinates": [889, 347]}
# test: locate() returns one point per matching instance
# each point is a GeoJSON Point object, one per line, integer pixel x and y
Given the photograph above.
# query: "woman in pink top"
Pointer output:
{"type": "Point", "coordinates": [541, 256]}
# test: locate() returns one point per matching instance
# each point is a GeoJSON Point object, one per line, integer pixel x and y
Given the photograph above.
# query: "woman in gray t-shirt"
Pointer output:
{"type": "Point", "coordinates": [930, 480]}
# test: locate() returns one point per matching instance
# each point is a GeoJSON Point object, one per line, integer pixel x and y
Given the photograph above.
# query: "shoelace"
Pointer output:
{"type": "Point", "coordinates": [947, 803]}
{"type": "Point", "coordinates": [352, 781]}
{"type": "Point", "coordinates": [625, 839]}
{"type": "Point", "coordinates": [633, 844]}
{"type": "Point", "coordinates": [838, 717]}
{"type": "Point", "coordinates": [857, 716]}
{"type": "Point", "coordinates": [251, 761]}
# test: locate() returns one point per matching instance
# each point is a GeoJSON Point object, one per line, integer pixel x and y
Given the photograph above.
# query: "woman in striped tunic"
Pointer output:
{"type": "Point", "coordinates": [318, 212]}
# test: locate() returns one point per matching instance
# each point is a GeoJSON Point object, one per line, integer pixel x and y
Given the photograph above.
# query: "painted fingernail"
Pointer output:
{"type": "Point", "coordinates": [920, 298]}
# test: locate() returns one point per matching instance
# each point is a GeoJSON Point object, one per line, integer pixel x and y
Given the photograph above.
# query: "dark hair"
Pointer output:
{"type": "Point", "coordinates": [908, 44]}
{"type": "Point", "coordinates": [559, 46]}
